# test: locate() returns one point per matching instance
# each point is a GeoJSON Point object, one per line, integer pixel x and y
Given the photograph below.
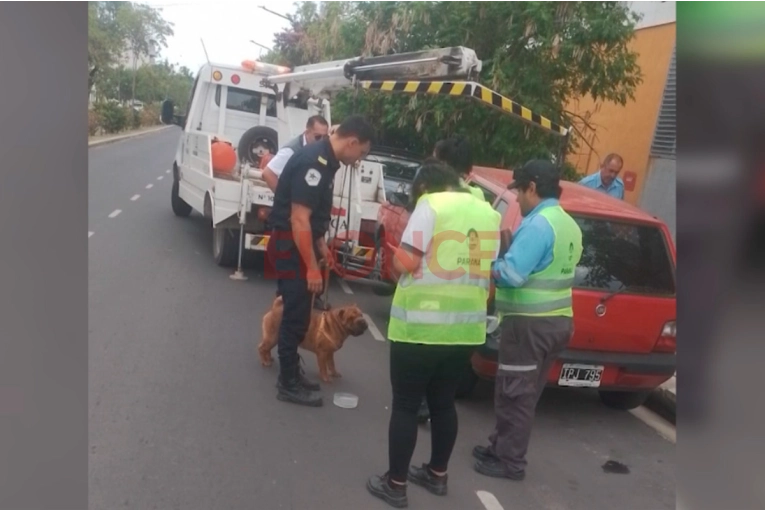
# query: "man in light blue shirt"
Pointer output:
{"type": "Point", "coordinates": [606, 179]}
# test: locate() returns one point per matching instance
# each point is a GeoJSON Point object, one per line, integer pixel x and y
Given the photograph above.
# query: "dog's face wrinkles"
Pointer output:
{"type": "Point", "coordinates": [353, 319]}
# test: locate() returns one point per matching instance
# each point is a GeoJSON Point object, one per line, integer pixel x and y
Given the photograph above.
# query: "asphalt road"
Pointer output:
{"type": "Point", "coordinates": [182, 416]}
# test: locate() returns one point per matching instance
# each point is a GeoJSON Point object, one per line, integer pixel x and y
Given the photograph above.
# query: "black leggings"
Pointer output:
{"type": "Point", "coordinates": [433, 372]}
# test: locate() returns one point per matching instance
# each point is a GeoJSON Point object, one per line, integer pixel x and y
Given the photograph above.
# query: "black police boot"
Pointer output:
{"type": "Point", "coordinates": [304, 381]}
{"type": "Point", "coordinates": [289, 389]}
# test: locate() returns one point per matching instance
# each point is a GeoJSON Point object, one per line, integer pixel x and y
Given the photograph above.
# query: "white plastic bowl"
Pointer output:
{"type": "Point", "coordinates": [346, 400]}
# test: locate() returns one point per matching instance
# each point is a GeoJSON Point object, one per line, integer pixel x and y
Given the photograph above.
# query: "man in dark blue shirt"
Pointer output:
{"type": "Point", "coordinates": [300, 219]}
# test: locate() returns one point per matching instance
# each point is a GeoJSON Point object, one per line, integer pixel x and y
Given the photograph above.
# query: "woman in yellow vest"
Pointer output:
{"type": "Point", "coordinates": [437, 318]}
{"type": "Point", "coordinates": [534, 281]}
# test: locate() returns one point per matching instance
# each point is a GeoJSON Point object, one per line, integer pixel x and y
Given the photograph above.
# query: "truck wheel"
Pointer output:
{"type": "Point", "coordinates": [623, 400]}
{"type": "Point", "coordinates": [380, 290]}
{"type": "Point", "coordinates": [180, 207]}
{"type": "Point", "coordinates": [467, 383]}
{"type": "Point", "coordinates": [257, 142]}
{"type": "Point", "coordinates": [225, 247]}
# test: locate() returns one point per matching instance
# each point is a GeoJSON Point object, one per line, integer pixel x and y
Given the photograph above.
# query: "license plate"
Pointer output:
{"type": "Point", "coordinates": [255, 242]}
{"type": "Point", "coordinates": [580, 376]}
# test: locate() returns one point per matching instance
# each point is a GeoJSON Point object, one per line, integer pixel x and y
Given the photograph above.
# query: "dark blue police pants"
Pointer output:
{"type": "Point", "coordinates": [293, 288]}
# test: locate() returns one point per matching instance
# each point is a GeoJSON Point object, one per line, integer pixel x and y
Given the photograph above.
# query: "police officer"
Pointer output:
{"type": "Point", "coordinates": [315, 129]}
{"type": "Point", "coordinates": [533, 281]}
{"type": "Point", "coordinates": [437, 318]}
{"type": "Point", "coordinates": [300, 219]}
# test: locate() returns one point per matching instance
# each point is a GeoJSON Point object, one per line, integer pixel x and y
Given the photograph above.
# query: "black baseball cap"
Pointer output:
{"type": "Point", "coordinates": [538, 171]}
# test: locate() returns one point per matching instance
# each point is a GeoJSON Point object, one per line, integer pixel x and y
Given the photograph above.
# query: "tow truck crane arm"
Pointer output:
{"type": "Point", "coordinates": [444, 71]}
{"type": "Point", "coordinates": [326, 78]}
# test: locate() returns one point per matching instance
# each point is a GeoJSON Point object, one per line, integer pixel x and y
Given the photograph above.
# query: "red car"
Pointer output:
{"type": "Point", "coordinates": [624, 296]}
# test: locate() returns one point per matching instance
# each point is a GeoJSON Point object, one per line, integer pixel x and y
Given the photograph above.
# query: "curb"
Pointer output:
{"type": "Point", "coordinates": [663, 401]}
{"type": "Point", "coordinates": [119, 138]}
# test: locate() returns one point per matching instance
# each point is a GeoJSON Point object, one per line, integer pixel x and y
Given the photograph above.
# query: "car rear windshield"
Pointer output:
{"type": "Point", "coordinates": [624, 256]}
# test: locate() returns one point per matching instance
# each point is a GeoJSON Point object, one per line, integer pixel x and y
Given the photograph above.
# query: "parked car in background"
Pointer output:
{"type": "Point", "coordinates": [624, 343]}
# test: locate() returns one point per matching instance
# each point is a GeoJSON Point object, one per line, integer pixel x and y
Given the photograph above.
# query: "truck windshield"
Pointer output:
{"type": "Point", "coordinates": [624, 256]}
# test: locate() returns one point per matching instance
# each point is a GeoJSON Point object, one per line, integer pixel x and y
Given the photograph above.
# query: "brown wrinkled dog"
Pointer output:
{"type": "Point", "coordinates": [326, 334]}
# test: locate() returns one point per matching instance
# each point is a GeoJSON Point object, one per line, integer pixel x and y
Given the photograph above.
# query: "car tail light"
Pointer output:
{"type": "Point", "coordinates": [667, 341]}
{"type": "Point", "coordinates": [263, 213]}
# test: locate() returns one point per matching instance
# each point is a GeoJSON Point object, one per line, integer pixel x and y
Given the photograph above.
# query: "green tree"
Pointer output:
{"type": "Point", "coordinates": [541, 54]}
{"type": "Point", "coordinates": [144, 28]}
{"type": "Point", "coordinates": [104, 39]}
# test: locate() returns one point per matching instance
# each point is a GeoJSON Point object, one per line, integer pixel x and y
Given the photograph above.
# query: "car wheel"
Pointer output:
{"type": "Point", "coordinates": [387, 289]}
{"type": "Point", "coordinates": [624, 400]}
{"type": "Point", "coordinates": [180, 207]}
{"type": "Point", "coordinates": [225, 247]}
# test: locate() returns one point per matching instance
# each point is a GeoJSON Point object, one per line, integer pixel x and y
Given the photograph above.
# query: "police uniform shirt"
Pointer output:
{"type": "Point", "coordinates": [307, 180]}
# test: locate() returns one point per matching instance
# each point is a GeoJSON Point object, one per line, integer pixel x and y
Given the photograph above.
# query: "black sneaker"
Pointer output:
{"type": "Point", "coordinates": [290, 390]}
{"type": "Point", "coordinates": [497, 469]}
{"type": "Point", "coordinates": [380, 487]}
{"type": "Point", "coordinates": [484, 453]}
{"type": "Point", "coordinates": [425, 478]}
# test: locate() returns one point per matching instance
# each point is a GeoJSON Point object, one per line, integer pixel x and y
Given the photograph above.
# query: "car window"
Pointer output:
{"type": "Point", "coordinates": [501, 207]}
{"type": "Point", "coordinates": [488, 195]}
{"type": "Point", "coordinates": [247, 101]}
{"type": "Point", "coordinates": [624, 256]}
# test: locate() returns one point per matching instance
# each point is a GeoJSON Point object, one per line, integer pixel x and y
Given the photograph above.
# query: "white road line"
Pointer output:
{"type": "Point", "coordinates": [90, 234]}
{"type": "Point", "coordinates": [167, 171]}
{"type": "Point", "coordinates": [656, 422]}
{"type": "Point", "coordinates": [149, 186]}
{"type": "Point", "coordinates": [160, 177]}
{"type": "Point", "coordinates": [373, 329]}
{"type": "Point", "coordinates": [489, 500]}
{"type": "Point", "coordinates": [115, 213]}
{"type": "Point", "coordinates": [134, 198]}
{"type": "Point", "coordinates": [344, 286]}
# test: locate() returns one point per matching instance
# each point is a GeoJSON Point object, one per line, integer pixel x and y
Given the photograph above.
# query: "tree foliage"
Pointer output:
{"type": "Point", "coordinates": [115, 28]}
{"type": "Point", "coordinates": [541, 54]}
{"type": "Point", "coordinates": [153, 83]}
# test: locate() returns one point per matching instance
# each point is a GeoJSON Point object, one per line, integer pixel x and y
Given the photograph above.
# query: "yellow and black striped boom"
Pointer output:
{"type": "Point", "coordinates": [467, 89]}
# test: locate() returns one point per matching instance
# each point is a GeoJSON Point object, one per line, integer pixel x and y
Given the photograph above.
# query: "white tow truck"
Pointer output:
{"type": "Point", "coordinates": [258, 107]}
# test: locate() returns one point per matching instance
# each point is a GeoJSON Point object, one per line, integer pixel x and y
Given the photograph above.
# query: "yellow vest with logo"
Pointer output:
{"type": "Point", "coordinates": [444, 302]}
{"type": "Point", "coordinates": [548, 293]}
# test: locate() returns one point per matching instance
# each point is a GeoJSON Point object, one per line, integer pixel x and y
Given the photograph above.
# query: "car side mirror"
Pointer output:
{"type": "Point", "coordinates": [168, 117]}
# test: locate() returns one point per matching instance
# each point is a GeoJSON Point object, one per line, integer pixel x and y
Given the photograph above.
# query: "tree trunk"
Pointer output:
{"type": "Point", "coordinates": [135, 69]}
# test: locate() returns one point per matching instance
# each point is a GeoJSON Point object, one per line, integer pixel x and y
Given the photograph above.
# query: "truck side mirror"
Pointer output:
{"type": "Point", "coordinates": [168, 110]}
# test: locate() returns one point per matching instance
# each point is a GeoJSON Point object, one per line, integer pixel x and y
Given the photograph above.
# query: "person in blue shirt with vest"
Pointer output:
{"type": "Point", "coordinates": [606, 179]}
{"type": "Point", "coordinates": [534, 279]}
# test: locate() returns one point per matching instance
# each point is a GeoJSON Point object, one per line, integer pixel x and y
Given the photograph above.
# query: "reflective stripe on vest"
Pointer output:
{"type": "Point", "coordinates": [548, 293]}
{"type": "Point", "coordinates": [445, 301]}
{"type": "Point", "coordinates": [447, 278]}
{"type": "Point", "coordinates": [436, 317]}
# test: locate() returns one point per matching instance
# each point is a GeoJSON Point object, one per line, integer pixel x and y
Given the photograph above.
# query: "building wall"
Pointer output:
{"type": "Point", "coordinates": [659, 193]}
{"type": "Point", "coordinates": [628, 130]}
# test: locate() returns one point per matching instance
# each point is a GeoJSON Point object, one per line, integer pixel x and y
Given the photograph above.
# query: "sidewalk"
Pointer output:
{"type": "Point", "coordinates": [663, 401]}
{"type": "Point", "coordinates": [95, 141]}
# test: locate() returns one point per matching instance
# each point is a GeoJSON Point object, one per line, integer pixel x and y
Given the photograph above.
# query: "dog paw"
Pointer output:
{"type": "Point", "coordinates": [337, 375]}
{"type": "Point", "coordinates": [327, 379]}
{"type": "Point", "coordinates": [267, 362]}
